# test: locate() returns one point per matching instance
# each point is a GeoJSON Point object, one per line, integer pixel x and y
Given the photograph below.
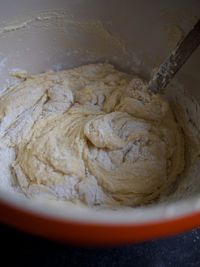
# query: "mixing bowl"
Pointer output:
{"type": "Point", "coordinates": [135, 36]}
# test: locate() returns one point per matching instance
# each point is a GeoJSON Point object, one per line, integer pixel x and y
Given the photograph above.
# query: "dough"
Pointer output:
{"type": "Point", "coordinates": [91, 135]}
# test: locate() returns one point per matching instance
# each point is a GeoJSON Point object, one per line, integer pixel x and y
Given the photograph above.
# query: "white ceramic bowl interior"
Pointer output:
{"type": "Point", "coordinates": [135, 36]}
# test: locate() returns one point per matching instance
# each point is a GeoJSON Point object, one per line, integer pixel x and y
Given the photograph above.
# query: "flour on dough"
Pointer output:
{"type": "Point", "coordinates": [91, 135]}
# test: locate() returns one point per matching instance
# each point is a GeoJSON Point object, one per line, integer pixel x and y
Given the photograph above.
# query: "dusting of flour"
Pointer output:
{"type": "Point", "coordinates": [91, 135]}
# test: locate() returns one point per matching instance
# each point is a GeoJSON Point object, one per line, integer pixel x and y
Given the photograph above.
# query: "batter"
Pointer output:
{"type": "Point", "coordinates": [91, 135]}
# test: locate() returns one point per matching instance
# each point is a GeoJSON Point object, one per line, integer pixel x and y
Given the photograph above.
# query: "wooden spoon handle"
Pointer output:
{"type": "Point", "coordinates": [175, 61]}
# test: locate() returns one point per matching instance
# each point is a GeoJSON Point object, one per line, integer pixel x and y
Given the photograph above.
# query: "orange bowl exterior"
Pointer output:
{"type": "Point", "coordinates": [92, 234]}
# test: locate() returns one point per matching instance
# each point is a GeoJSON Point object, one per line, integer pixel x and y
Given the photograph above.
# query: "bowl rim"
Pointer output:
{"type": "Point", "coordinates": [155, 213]}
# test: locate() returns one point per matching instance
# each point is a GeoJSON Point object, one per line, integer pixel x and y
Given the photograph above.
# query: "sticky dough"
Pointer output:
{"type": "Point", "coordinates": [91, 135]}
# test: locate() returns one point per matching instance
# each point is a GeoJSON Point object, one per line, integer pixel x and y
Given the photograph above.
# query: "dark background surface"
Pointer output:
{"type": "Point", "coordinates": [20, 249]}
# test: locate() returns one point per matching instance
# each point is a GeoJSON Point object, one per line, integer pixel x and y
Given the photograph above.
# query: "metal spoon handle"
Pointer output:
{"type": "Point", "coordinates": [175, 61]}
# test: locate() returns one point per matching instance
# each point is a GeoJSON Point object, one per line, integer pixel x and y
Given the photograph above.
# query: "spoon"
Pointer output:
{"type": "Point", "coordinates": [175, 61]}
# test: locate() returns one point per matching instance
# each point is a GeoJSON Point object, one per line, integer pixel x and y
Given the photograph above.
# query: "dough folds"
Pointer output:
{"type": "Point", "coordinates": [91, 135]}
